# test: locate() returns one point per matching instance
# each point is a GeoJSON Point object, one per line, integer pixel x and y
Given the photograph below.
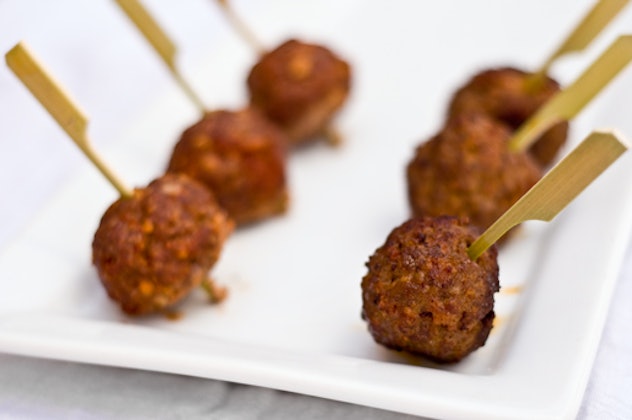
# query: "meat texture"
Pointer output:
{"type": "Point", "coordinates": [422, 293]}
{"type": "Point", "coordinates": [510, 96]}
{"type": "Point", "coordinates": [300, 87]}
{"type": "Point", "coordinates": [240, 156]}
{"type": "Point", "coordinates": [467, 170]}
{"type": "Point", "coordinates": [152, 249]}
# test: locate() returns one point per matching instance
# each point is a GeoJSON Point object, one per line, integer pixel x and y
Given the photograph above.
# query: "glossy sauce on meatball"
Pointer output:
{"type": "Point", "coordinates": [240, 156]}
{"type": "Point", "coordinates": [300, 87]}
{"type": "Point", "coordinates": [422, 293]}
{"type": "Point", "coordinates": [152, 249]}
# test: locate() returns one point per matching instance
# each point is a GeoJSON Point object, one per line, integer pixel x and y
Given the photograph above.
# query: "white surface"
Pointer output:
{"type": "Point", "coordinates": [316, 344]}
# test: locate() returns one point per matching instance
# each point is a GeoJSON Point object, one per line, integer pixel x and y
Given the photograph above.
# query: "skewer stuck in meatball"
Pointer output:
{"type": "Point", "coordinates": [511, 96]}
{"type": "Point", "coordinates": [152, 249]}
{"type": "Point", "coordinates": [424, 295]}
{"type": "Point", "coordinates": [467, 170]}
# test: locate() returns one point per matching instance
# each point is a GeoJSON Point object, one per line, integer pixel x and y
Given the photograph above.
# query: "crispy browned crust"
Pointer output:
{"type": "Point", "coordinates": [505, 95]}
{"type": "Point", "coordinates": [240, 156]}
{"type": "Point", "coordinates": [467, 170]}
{"type": "Point", "coordinates": [152, 249]}
{"type": "Point", "coordinates": [422, 294]}
{"type": "Point", "coordinates": [300, 87]}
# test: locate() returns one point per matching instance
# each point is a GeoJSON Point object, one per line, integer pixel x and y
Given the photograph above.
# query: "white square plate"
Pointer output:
{"type": "Point", "coordinates": [292, 320]}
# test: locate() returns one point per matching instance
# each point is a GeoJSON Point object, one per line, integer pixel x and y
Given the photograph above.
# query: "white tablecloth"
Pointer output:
{"type": "Point", "coordinates": [93, 50]}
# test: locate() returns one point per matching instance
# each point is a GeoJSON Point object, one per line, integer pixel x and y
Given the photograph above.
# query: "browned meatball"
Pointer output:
{"type": "Point", "coordinates": [508, 97]}
{"type": "Point", "coordinates": [240, 156]}
{"type": "Point", "coordinates": [423, 294]}
{"type": "Point", "coordinates": [152, 249]}
{"type": "Point", "coordinates": [467, 170]}
{"type": "Point", "coordinates": [300, 87]}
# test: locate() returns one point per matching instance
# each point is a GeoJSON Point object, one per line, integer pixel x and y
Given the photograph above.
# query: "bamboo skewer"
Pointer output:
{"type": "Point", "coordinates": [74, 122]}
{"type": "Point", "coordinates": [569, 102]}
{"type": "Point", "coordinates": [588, 28]}
{"type": "Point", "coordinates": [557, 188]}
{"type": "Point", "coordinates": [240, 26]}
{"type": "Point", "coordinates": [161, 43]}
{"type": "Point", "coordinates": [60, 106]}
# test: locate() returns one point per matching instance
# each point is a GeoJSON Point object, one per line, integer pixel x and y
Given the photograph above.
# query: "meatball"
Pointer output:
{"type": "Point", "coordinates": [508, 95]}
{"type": "Point", "coordinates": [152, 249]}
{"type": "Point", "coordinates": [300, 87]}
{"type": "Point", "coordinates": [467, 170]}
{"type": "Point", "coordinates": [422, 293]}
{"type": "Point", "coordinates": [240, 156]}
